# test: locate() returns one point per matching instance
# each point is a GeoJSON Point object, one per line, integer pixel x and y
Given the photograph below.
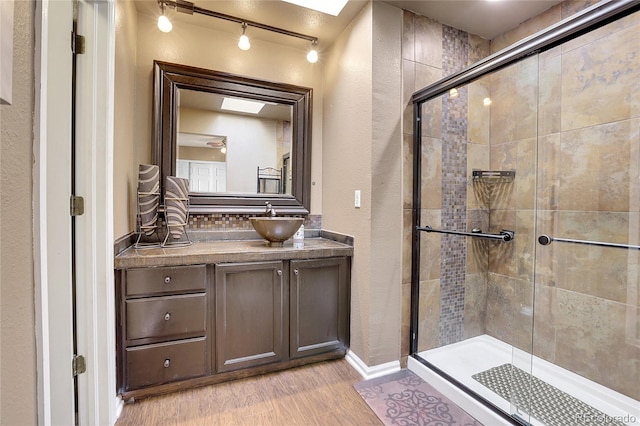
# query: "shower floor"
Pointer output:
{"type": "Point", "coordinates": [464, 359]}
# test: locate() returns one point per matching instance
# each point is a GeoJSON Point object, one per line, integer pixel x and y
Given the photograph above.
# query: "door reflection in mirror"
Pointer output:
{"type": "Point", "coordinates": [220, 150]}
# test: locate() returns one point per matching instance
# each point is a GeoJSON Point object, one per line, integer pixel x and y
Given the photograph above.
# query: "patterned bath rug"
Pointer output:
{"type": "Point", "coordinates": [405, 399]}
{"type": "Point", "coordinates": [543, 401]}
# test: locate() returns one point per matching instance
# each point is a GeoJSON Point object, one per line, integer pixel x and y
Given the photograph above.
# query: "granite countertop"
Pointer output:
{"type": "Point", "coordinates": [231, 251]}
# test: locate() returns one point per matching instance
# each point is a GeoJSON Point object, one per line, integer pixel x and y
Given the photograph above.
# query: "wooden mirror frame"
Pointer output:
{"type": "Point", "coordinates": [168, 78]}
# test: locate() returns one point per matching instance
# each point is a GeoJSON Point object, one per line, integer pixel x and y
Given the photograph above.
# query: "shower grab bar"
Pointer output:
{"type": "Point", "coordinates": [545, 240]}
{"type": "Point", "coordinates": [504, 235]}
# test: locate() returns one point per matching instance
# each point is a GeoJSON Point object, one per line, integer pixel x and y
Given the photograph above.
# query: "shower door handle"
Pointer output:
{"type": "Point", "coordinates": [545, 240]}
{"type": "Point", "coordinates": [504, 235]}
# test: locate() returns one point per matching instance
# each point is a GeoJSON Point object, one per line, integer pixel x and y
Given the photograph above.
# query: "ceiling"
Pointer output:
{"type": "Point", "coordinates": [484, 18]}
{"type": "Point", "coordinates": [481, 17]}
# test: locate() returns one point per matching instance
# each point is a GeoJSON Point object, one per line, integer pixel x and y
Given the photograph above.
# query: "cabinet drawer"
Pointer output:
{"type": "Point", "coordinates": [147, 281]}
{"type": "Point", "coordinates": [166, 362]}
{"type": "Point", "coordinates": [166, 316]}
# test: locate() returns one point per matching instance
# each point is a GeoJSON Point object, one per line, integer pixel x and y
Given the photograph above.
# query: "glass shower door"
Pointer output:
{"type": "Point", "coordinates": [506, 199]}
{"type": "Point", "coordinates": [587, 328]}
{"type": "Point", "coordinates": [478, 171]}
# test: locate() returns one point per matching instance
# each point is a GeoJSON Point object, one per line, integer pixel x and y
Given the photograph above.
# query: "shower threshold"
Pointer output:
{"type": "Point", "coordinates": [470, 357]}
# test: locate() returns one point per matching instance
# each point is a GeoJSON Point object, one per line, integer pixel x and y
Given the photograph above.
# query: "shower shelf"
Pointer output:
{"type": "Point", "coordinates": [493, 175]}
{"type": "Point", "coordinates": [504, 235]}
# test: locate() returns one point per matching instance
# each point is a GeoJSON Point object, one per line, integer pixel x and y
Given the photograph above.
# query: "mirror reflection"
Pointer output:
{"type": "Point", "coordinates": [228, 144]}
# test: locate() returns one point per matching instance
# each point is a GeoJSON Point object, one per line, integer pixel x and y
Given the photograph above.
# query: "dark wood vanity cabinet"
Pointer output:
{"type": "Point", "coordinates": [249, 314]}
{"type": "Point", "coordinates": [200, 324]}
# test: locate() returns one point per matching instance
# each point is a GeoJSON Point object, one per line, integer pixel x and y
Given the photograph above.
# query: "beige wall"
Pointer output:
{"type": "Point", "coordinates": [366, 157]}
{"type": "Point", "coordinates": [347, 160]}
{"type": "Point", "coordinates": [386, 185]}
{"type": "Point", "coordinates": [17, 316]}
{"type": "Point", "coordinates": [127, 151]}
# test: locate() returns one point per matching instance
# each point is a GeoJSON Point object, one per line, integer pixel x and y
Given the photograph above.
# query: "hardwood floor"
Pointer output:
{"type": "Point", "coordinates": [316, 394]}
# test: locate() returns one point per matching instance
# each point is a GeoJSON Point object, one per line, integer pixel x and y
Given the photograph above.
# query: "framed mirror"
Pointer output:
{"type": "Point", "coordinates": [240, 141]}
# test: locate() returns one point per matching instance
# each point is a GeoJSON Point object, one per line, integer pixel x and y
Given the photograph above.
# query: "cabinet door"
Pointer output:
{"type": "Point", "coordinates": [249, 317]}
{"type": "Point", "coordinates": [319, 306]}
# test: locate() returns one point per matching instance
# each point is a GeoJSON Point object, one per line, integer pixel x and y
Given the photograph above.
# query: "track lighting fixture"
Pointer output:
{"type": "Point", "coordinates": [244, 43]}
{"type": "Point", "coordinates": [184, 6]}
{"type": "Point", "coordinates": [164, 24]}
{"type": "Point", "coordinates": [312, 56]}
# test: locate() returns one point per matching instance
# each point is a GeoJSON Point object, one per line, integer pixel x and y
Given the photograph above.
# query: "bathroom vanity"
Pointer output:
{"type": "Point", "coordinates": [221, 310]}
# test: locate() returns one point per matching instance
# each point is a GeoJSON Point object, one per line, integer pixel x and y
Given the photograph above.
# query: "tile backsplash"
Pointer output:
{"type": "Point", "coordinates": [230, 221]}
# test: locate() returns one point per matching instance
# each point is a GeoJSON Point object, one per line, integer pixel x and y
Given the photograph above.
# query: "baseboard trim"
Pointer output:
{"type": "Point", "coordinates": [371, 372]}
{"type": "Point", "coordinates": [119, 405]}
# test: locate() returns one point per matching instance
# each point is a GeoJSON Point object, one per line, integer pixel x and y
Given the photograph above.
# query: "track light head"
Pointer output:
{"type": "Point", "coordinates": [244, 43]}
{"type": "Point", "coordinates": [164, 24]}
{"type": "Point", "coordinates": [312, 56]}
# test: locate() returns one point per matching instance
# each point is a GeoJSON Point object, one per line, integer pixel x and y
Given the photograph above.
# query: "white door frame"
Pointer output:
{"type": "Point", "coordinates": [98, 403]}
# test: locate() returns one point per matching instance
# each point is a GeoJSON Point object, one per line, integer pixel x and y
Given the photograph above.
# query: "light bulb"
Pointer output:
{"type": "Point", "coordinates": [243, 43]}
{"type": "Point", "coordinates": [164, 24]}
{"type": "Point", "coordinates": [312, 56]}
{"type": "Point", "coordinates": [223, 150]}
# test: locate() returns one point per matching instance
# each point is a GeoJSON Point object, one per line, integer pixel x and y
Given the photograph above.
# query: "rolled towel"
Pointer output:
{"type": "Point", "coordinates": [176, 198]}
{"type": "Point", "coordinates": [148, 197]}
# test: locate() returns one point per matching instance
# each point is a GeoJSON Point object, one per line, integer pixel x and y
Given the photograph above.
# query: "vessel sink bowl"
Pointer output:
{"type": "Point", "coordinates": [276, 230]}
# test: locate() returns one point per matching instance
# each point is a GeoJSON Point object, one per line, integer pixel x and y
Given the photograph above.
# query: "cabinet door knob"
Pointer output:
{"type": "Point", "coordinates": [279, 271]}
{"type": "Point", "coordinates": [295, 271]}
{"type": "Point", "coordinates": [167, 280]}
{"type": "Point", "coordinates": [167, 316]}
{"type": "Point", "coordinates": [167, 363]}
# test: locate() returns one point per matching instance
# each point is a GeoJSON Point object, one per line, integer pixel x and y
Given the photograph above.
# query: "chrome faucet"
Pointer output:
{"type": "Point", "coordinates": [270, 212]}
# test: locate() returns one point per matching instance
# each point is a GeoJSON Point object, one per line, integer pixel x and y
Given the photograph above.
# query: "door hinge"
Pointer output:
{"type": "Point", "coordinates": [77, 205]}
{"type": "Point", "coordinates": [78, 365]}
{"type": "Point", "coordinates": [77, 43]}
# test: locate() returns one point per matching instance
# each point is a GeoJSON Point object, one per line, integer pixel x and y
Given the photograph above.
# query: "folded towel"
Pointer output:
{"type": "Point", "coordinates": [176, 198]}
{"type": "Point", "coordinates": [148, 197]}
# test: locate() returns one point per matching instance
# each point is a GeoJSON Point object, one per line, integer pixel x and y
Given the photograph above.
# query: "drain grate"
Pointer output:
{"type": "Point", "coordinates": [542, 401]}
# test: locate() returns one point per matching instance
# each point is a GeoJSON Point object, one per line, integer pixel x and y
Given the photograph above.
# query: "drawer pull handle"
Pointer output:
{"type": "Point", "coordinates": [167, 363]}
{"type": "Point", "coordinates": [167, 316]}
{"type": "Point", "coordinates": [279, 271]}
{"type": "Point", "coordinates": [295, 271]}
{"type": "Point", "coordinates": [167, 280]}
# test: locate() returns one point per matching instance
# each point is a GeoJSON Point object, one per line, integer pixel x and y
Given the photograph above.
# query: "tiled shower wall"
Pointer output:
{"type": "Point", "coordinates": [587, 298]}
{"type": "Point", "coordinates": [431, 51]}
{"type": "Point", "coordinates": [455, 48]}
